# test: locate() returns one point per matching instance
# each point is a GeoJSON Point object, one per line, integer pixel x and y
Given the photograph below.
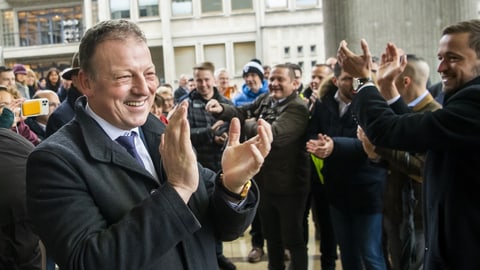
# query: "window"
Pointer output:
{"type": "Point", "coordinates": [216, 54]}
{"type": "Point", "coordinates": [50, 26]}
{"type": "Point", "coordinates": [241, 4]}
{"type": "Point", "coordinates": [286, 51]}
{"type": "Point", "coordinates": [306, 3]}
{"type": "Point", "coordinates": [313, 49]}
{"type": "Point", "coordinates": [243, 52]}
{"type": "Point", "coordinates": [271, 4]}
{"type": "Point", "coordinates": [300, 64]}
{"type": "Point", "coordinates": [184, 60]}
{"type": "Point", "coordinates": [211, 6]}
{"type": "Point", "coordinates": [300, 50]}
{"type": "Point", "coordinates": [120, 9]}
{"type": "Point", "coordinates": [182, 8]}
{"type": "Point", "coordinates": [8, 38]}
{"type": "Point", "coordinates": [313, 63]}
{"type": "Point", "coordinates": [148, 8]}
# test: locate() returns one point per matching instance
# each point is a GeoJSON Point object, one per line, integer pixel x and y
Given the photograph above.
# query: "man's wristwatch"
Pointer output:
{"type": "Point", "coordinates": [243, 194]}
{"type": "Point", "coordinates": [359, 82]}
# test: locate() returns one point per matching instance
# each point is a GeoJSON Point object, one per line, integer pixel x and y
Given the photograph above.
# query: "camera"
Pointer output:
{"type": "Point", "coordinates": [35, 107]}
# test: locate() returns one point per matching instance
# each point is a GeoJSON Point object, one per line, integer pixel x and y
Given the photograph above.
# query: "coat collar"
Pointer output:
{"type": "Point", "coordinates": [448, 96]}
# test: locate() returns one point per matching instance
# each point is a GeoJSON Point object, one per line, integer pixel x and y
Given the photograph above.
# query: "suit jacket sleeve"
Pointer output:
{"type": "Point", "coordinates": [456, 125]}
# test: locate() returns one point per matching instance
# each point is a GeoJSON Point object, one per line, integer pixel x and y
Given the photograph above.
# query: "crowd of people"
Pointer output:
{"type": "Point", "coordinates": [125, 172]}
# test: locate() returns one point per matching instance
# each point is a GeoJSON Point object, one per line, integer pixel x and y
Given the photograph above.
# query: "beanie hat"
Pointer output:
{"type": "Point", "coordinates": [19, 69]}
{"type": "Point", "coordinates": [254, 66]}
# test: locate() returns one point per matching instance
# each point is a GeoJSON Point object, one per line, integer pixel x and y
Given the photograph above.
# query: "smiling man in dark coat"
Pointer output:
{"type": "Point", "coordinates": [98, 205]}
{"type": "Point", "coordinates": [450, 136]}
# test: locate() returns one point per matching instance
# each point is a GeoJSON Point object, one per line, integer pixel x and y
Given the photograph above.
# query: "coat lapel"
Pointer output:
{"type": "Point", "coordinates": [101, 148]}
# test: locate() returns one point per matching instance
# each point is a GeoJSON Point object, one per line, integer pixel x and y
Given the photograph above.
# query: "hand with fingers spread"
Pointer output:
{"type": "Point", "coordinates": [178, 157]}
{"type": "Point", "coordinates": [242, 161]}
{"type": "Point", "coordinates": [392, 64]}
{"type": "Point", "coordinates": [357, 65]}
{"type": "Point", "coordinates": [322, 147]}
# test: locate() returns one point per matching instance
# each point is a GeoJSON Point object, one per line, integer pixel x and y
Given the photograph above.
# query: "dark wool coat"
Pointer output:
{"type": "Point", "coordinates": [95, 207]}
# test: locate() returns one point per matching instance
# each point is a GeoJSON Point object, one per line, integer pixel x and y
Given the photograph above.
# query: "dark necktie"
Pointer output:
{"type": "Point", "coordinates": [128, 142]}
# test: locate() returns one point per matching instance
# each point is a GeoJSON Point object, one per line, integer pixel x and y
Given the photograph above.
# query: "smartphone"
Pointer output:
{"type": "Point", "coordinates": [34, 107]}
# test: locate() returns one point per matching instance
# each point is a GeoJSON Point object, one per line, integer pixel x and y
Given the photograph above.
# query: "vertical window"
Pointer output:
{"type": "Point", "coordinates": [211, 6]}
{"type": "Point", "coordinates": [313, 49]}
{"type": "Point", "coordinates": [184, 60]}
{"type": "Point", "coordinates": [300, 50]}
{"type": "Point", "coordinates": [243, 52]}
{"type": "Point", "coordinates": [148, 8]}
{"type": "Point", "coordinates": [271, 4]}
{"type": "Point", "coordinates": [301, 64]}
{"type": "Point", "coordinates": [182, 8]}
{"type": "Point", "coordinates": [286, 51]}
{"type": "Point", "coordinates": [241, 4]}
{"type": "Point", "coordinates": [306, 3]}
{"type": "Point", "coordinates": [216, 54]}
{"type": "Point", "coordinates": [313, 63]}
{"type": "Point", "coordinates": [120, 9]}
{"type": "Point", "coordinates": [8, 36]}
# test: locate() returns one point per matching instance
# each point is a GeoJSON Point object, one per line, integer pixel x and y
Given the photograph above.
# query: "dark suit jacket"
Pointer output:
{"type": "Point", "coordinates": [353, 183]}
{"type": "Point", "coordinates": [95, 207]}
{"type": "Point", "coordinates": [451, 138]}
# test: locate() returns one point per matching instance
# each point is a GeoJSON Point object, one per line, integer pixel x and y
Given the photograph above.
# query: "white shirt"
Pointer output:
{"type": "Point", "coordinates": [414, 102]}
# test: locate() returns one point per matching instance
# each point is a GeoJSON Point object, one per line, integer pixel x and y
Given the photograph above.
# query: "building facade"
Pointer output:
{"type": "Point", "coordinates": [180, 33]}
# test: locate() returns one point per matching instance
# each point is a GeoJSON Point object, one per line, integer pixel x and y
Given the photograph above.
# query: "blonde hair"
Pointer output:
{"type": "Point", "coordinates": [31, 73]}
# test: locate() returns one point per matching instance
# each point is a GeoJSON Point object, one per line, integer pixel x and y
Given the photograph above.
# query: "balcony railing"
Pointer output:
{"type": "Point", "coordinates": [39, 38]}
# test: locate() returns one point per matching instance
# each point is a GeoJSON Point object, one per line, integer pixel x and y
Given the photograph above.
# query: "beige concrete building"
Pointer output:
{"type": "Point", "coordinates": [181, 33]}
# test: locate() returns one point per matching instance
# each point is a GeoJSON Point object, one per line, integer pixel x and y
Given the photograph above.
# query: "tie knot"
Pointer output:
{"type": "Point", "coordinates": [127, 141]}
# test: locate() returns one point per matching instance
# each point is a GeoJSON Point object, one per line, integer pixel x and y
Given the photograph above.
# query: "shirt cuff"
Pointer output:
{"type": "Point", "coordinates": [393, 100]}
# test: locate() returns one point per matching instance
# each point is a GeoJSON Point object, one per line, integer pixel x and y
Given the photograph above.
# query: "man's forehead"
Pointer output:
{"type": "Point", "coordinates": [7, 73]}
{"type": "Point", "coordinates": [455, 41]}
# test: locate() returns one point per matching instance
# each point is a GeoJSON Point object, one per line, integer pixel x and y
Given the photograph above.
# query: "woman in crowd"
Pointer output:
{"type": "Point", "coordinates": [32, 82]}
{"type": "Point", "coordinates": [53, 79]}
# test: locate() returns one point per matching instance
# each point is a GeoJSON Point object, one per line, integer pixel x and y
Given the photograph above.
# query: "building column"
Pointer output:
{"type": "Point", "coordinates": [415, 26]}
{"type": "Point", "coordinates": [167, 46]}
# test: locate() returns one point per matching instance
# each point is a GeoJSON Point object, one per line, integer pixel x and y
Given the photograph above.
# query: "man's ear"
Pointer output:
{"type": "Point", "coordinates": [407, 81]}
{"type": "Point", "coordinates": [295, 84]}
{"type": "Point", "coordinates": [85, 83]}
{"type": "Point", "coordinates": [334, 81]}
